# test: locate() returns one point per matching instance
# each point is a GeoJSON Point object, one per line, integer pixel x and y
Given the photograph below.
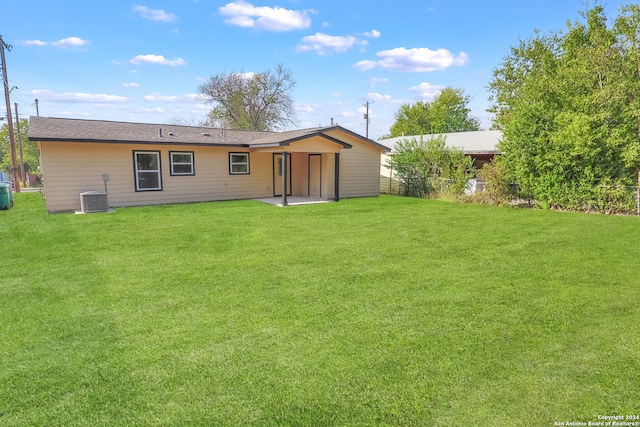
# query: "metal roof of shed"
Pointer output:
{"type": "Point", "coordinates": [473, 142]}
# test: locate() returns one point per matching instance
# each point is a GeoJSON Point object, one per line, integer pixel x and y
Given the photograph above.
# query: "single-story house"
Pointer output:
{"type": "Point", "coordinates": [147, 164]}
{"type": "Point", "coordinates": [481, 145]}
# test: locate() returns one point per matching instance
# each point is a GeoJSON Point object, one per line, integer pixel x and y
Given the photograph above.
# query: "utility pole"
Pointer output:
{"type": "Point", "coordinates": [37, 109]}
{"type": "Point", "coordinates": [22, 174]}
{"type": "Point", "coordinates": [366, 117]}
{"type": "Point", "coordinates": [14, 169]}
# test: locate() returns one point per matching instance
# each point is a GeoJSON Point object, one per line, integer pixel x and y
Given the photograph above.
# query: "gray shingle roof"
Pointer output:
{"type": "Point", "coordinates": [79, 130]}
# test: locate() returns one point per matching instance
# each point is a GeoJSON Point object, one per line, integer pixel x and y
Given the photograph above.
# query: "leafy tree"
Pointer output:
{"type": "Point", "coordinates": [425, 168]}
{"type": "Point", "coordinates": [259, 101]}
{"type": "Point", "coordinates": [448, 112]}
{"type": "Point", "coordinates": [411, 120]}
{"type": "Point", "coordinates": [569, 108]}
{"type": "Point", "coordinates": [29, 149]}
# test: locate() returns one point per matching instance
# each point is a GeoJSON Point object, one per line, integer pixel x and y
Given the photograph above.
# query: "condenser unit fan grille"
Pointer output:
{"type": "Point", "coordinates": [94, 201]}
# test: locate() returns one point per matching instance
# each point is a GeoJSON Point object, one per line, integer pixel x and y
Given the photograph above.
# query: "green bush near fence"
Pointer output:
{"type": "Point", "coordinates": [428, 168]}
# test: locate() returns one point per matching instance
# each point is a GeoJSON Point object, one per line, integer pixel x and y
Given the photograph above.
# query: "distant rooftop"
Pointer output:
{"type": "Point", "coordinates": [473, 142]}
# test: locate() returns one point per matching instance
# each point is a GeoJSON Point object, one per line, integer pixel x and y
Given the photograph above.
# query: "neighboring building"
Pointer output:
{"type": "Point", "coordinates": [148, 164]}
{"type": "Point", "coordinates": [481, 145]}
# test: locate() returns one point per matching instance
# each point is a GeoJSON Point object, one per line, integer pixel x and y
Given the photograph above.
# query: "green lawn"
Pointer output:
{"type": "Point", "coordinates": [384, 311]}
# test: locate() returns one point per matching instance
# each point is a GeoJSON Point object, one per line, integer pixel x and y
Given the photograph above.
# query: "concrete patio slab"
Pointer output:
{"type": "Point", "coordinates": [294, 201]}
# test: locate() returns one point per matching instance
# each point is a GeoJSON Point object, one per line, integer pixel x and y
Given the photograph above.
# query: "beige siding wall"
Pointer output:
{"type": "Point", "coordinates": [388, 181]}
{"type": "Point", "coordinates": [299, 174]}
{"type": "Point", "coordinates": [72, 168]}
{"type": "Point", "coordinates": [328, 175]}
{"type": "Point", "coordinates": [360, 170]}
{"type": "Point", "coordinates": [385, 170]}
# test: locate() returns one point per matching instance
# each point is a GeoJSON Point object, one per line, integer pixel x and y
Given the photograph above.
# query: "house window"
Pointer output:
{"type": "Point", "coordinates": [147, 170]}
{"type": "Point", "coordinates": [181, 162]}
{"type": "Point", "coordinates": [239, 163]}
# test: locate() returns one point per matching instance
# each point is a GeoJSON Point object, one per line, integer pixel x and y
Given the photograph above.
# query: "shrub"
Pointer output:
{"type": "Point", "coordinates": [429, 168]}
{"type": "Point", "coordinates": [498, 188]}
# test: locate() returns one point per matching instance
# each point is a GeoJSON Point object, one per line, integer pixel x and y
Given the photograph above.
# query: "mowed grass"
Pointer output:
{"type": "Point", "coordinates": [384, 311]}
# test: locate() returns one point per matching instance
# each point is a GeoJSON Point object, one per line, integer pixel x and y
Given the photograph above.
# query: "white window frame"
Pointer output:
{"type": "Point", "coordinates": [174, 163]}
{"type": "Point", "coordinates": [137, 171]}
{"type": "Point", "coordinates": [232, 164]}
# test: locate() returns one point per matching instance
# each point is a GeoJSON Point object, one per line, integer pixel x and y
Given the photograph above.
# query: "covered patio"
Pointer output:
{"type": "Point", "coordinates": [305, 170]}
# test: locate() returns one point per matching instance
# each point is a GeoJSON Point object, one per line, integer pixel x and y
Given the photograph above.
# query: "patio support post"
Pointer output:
{"type": "Point", "coordinates": [336, 190]}
{"type": "Point", "coordinates": [284, 178]}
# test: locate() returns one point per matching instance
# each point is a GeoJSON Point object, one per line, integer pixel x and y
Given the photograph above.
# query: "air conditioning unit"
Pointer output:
{"type": "Point", "coordinates": [94, 201]}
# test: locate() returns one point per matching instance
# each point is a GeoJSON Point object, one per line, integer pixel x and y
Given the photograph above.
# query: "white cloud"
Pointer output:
{"type": "Point", "coordinates": [96, 98]}
{"type": "Point", "coordinates": [132, 84]}
{"type": "Point", "coordinates": [201, 108]}
{"type": "Point", "coordinates": [366, 65]}
{"type": "Point", "coordinates": [157, 59]}
{"type": "Point", "coordinates": [373, 34]}
{"type": "Point", "coordinates": [243, 14]}
{"type": "Point", "coordinates": [375, 80]}
{"type": "Point", "coordinates": [304, 108]}
{"type": "Point", "coordinates": [427, 91]}
{"type": "Point", "coordinates": [62, 43]}
{"type": "Point", "coordinates": [157, 15]}
{"type": "Point", "coordinates": [34, 43]}
{"type": "Point", "coordinates": [417, 60]}
{"type": "Point", "coordinates": [190, 97]}
{"type": "Point", "coordinates": [350, 114]}
{"type": "Point", "coordinates": [381, 99]}
{"type": "Point", "coordinates": [150, 110]}
{"type": "Point", "coordinates": [70, 42]}
{"type": "Point", "coordinates": [322, 43]}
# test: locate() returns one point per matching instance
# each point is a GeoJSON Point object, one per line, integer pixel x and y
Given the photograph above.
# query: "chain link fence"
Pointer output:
{"type": "Point", "coordinates": [603, 199]}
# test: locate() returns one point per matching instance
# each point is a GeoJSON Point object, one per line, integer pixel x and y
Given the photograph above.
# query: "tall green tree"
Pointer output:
{"type": "Point", "coordinates": [29, 149]}
{"type": "Point", "coordinates": [260, 101]}
{"type": "Point", "coordinates": [568, 106]}
{"type": "Point", "coordinates": [448, 112]}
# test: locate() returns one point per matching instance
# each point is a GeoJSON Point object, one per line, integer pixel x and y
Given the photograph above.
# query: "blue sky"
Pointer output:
{"type": "Point", "coordinates": [143, 61]}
